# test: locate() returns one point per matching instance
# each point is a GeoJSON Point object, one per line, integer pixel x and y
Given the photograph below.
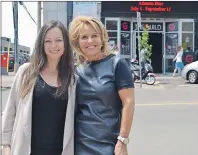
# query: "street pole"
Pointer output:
{"type": "Point", "coordinates": [15, 17]}
{"type": "Point", "coordinates": [139, 25]}
{"type": "Point", "coordinates": [38, 17]}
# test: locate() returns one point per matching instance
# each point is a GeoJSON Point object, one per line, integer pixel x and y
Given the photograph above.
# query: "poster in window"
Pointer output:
{"type": "Point", "coordinates": [171, 26]}
{"type": "Point", "coordinates": [125, 43]}
{"type": "Point", "coordinates": [171, 43]}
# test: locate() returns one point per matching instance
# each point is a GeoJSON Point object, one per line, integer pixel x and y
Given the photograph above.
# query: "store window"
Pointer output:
{"type": "Point", "coordinates": [125, 43]}
{"type": "Point", "coordinates": [170, 66]}
{"type": "Point", "coordinates": [171, 43]}
{"type": "Point", "coordinates": [187, 26]}
{"type": "Point", "coordinates": [125, 36]}
{"type": "Point", "coordinates": [113, 41]}
{"type": "Point", "coordinates": [171, 26]}
{"type": "Point", "coordinates": [111, 25]}
{"type": "Point", "coordinates": [112, 28]}
{"type": "Point", "coordinates": [187, 36]}
{"type": "Point", "coordinates": [187, 40]}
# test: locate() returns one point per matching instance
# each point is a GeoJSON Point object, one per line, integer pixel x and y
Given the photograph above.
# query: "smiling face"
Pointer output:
{"type": "Point", "coordinates": [54, 43]}
{"type": "Point", "coordinates": [90, 42]}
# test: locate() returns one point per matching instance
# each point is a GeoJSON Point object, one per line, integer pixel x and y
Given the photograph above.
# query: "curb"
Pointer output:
{"type": "Point", "coordinates": [5, 87]}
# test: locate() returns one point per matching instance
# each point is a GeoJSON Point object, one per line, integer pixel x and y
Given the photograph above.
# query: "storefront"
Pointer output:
{"type": "Point", "coordinates": [170, 24]}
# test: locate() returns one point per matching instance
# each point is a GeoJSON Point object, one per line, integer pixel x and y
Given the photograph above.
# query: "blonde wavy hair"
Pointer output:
{"type": "Point", "coordinates": [75, 29]}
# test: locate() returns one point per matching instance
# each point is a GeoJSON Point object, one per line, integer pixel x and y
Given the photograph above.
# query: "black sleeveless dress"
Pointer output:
{"type": "Point", "coordinates": [48, 120]}
{"type": "Point", "coordinates": [98, 112]}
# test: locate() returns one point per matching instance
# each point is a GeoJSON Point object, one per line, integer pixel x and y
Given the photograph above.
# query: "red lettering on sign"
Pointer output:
{"type": "Point", "coordinates": [151, 7]}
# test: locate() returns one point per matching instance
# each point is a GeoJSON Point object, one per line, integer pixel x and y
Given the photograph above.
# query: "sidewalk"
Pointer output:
{"type": "Point", "coordinates": [168, 78]}
{"type": "Point", "coordinates": [6, 80]}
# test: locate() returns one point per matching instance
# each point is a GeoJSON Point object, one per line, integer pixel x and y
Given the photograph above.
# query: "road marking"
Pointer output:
{"type": "Point", "coordinates": [157, 82]}
{"type": "Point", "coordinates": [150, 87]}
{"type": "Point", "coordinates": [188, 85]}
{"type": "Point", "coordinates": [155, 85]}
{"type": "Point", "coordinates": [163, 104]}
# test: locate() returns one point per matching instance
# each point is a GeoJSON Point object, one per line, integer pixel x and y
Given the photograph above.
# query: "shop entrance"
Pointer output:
{"type": "Point", "coordinates": [155, 39]}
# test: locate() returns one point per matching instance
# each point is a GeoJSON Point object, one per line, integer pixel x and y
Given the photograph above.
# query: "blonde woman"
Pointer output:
{"type": "Point", "coordinates": [39, 115]}
{"type": "Point", "coordinates": [179, 65]}
{"type": "Point", "coordinates": [105, 92]}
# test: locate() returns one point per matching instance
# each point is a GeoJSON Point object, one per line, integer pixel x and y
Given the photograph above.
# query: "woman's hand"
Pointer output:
{"type": "Point", "coordinates": [120, 148]}
{"type": "Point", "coordinates": [6, 150]}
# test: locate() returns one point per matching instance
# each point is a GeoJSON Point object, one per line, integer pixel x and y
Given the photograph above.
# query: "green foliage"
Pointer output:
{"type": "Point", "coordinates": [144, 44]}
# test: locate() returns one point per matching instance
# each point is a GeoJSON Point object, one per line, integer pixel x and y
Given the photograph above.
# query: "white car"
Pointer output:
{"type": "Point", "coordinates": [190, 72]}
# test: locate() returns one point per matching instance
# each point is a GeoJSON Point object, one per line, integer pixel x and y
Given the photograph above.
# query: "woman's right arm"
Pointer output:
{"type": "Point", "coordinates": [9, 114]}
{"type": "Point", "coordinates": [175, 57]}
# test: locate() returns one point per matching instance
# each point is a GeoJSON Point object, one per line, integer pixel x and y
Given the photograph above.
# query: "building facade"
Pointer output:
{"type": "Point", "coordinates": [23, 53]}
{"type": "Point", "coordinates": [54, 11]}
{"type": "Point", "coordinates": [6, 42]}
{"type": "Point", "coordinates": [66, 11]}
{"type": "Point", "coordinates": [170, 24]}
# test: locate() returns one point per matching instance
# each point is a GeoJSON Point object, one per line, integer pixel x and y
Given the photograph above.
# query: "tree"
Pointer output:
{"type": "Point", "coordinates": [144, 44]}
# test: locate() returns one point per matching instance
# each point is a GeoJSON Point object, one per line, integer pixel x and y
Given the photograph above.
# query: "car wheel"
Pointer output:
{"type": "Point", "coordinates": [193, 77]}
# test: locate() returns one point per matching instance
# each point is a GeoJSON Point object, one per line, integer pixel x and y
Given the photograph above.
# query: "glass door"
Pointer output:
{"type": "Point", "coordinates": [125, 37]}
{"type": "Point", "coordinates": [171, 44]}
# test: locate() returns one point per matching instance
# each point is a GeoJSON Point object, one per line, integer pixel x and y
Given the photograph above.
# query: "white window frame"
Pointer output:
{"type": "Point", "coordinates": [118, 29]}
{"type": "Point", "coordinates": [129, 20]}
{"type": "Point", "coordinates": [193, 31]}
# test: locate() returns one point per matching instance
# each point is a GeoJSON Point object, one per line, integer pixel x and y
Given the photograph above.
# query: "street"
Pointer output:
{"type": "Point", "coordinates": [165, 119]}
{"type": "Point", "coordinates": [165, 122]}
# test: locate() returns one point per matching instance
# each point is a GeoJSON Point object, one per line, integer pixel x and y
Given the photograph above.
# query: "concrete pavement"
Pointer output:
{"type": "Point", "coordinates": [165, 121]}
{"type": "Point", "coordinates": [6, 80]}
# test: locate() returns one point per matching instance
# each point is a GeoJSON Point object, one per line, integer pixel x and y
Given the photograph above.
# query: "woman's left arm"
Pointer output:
{"type": "Point", "coordinates": [125, 87]}
{"type": "Point", "coordinates": [128, 103]}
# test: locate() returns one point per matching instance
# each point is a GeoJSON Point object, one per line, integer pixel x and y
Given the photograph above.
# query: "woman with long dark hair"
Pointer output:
{"type": "Point", "coordinates": [39, 114]}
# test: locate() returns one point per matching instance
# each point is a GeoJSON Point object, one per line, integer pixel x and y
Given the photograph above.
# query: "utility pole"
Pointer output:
{"type": "Point", "coordinates": [139, 25]}
{"type": "Point", "coordinates": [38, 17]}
{"type": "Point", "coordinates": [15, 17]}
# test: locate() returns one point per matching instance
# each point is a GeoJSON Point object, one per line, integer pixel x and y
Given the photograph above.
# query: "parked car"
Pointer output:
{"type": "Point", "coordinates": [190, 72]}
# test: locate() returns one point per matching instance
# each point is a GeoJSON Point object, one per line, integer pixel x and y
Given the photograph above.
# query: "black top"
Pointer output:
{"type": "Point", "coordinates": [48, 120]}
{"type": "Point", "coordinates": [98, 114]}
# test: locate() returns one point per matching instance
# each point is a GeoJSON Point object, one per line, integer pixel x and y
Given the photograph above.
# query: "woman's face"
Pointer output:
{"type": "Point", "coordinates": [90, 42]}
{"type": "Point", "coordinates": [54, 43]}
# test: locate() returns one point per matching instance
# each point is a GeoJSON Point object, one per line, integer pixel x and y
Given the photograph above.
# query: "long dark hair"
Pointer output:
{"type": "Point", "coordinates": [39, 59]}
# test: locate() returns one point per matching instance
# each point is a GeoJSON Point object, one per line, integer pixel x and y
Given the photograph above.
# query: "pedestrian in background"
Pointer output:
{"type": "Point", "coordinates": [179, 65]}
{"type": "Point", "coordinates": [104, 93]}
{"type": "Point", "coordinates": [39, 114]}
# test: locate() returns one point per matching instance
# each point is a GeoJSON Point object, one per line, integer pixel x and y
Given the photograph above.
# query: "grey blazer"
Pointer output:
{"type": "Point", "coordinates": [17, 117]}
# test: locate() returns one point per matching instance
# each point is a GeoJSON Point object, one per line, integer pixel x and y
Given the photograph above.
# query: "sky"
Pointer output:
{"type": "Point", "coordinates": [27, 29]}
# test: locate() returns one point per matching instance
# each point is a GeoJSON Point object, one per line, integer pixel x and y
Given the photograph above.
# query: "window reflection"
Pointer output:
{"type": "Point", "coordinates": [111, 24]}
